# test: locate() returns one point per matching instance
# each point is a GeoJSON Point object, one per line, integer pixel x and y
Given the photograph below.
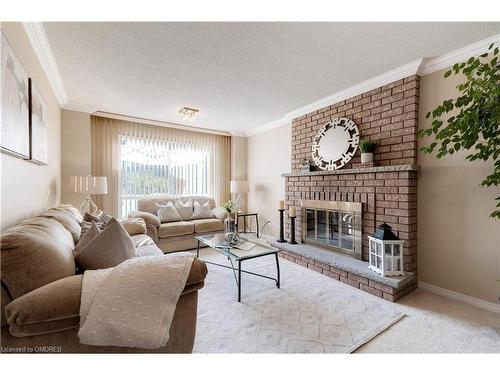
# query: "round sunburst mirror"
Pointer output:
{"type": "Point", "coordinates": [335, 144]}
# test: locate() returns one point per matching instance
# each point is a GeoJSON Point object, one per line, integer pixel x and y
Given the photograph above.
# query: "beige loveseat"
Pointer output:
{"type": "Point", "coordinates": [40, 289]}
{"type": "Point", "coordinates": [177, 235]}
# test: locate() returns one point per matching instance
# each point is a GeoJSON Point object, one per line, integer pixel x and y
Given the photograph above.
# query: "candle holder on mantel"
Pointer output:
{"type": "Point", "coordinates": [282, 224]}
{"type": "Point", "coordinates": [292, 231]}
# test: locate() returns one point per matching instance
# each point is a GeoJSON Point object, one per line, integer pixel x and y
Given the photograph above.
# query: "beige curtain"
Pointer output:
{"type": "Point", "coordinates": [105, 155]}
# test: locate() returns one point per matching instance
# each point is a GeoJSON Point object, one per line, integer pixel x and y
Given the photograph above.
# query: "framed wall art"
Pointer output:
{"type": "Point", "coordinates": [38, 126]}
{"type": "Point", "coordinates": [14, 120]}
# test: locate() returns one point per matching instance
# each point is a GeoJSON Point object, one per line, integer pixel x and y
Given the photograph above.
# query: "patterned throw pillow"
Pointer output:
{"type": "Point", "coordinates": [202, 211]}
{"type": "Point", "coordinates": [101, 219]}
{"type": "Point", "coordinates": [184, 209]}
{"type": "Point", "coordinates": [167, 213]}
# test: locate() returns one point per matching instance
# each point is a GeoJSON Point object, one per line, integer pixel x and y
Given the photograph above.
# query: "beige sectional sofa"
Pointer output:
{"type": "Point", "coordinates": [178, 235]}
{"type": "Point", "coordinates": [40, 288]}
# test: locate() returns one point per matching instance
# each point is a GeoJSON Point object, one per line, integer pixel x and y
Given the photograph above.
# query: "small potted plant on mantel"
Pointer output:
{"type": "Point", "coordinates": [367, 146]}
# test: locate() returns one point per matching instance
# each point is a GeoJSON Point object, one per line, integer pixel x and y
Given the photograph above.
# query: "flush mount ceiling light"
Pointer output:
{"type": "Point", "coordinates": [188, 113]}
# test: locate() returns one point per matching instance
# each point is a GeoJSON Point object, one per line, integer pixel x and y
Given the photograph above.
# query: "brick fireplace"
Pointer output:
{"type": "Point", "coordinates": [387, 192]}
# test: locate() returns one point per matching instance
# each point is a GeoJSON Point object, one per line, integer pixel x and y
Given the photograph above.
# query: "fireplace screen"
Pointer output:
{"type": "Point", "coordinates": [335, 225]}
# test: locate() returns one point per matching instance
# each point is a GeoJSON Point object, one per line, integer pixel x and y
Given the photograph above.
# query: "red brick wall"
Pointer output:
{"type": "Point", "coordinates": [387, 114]}
{"type": "Point", "coordinates": [389, 197]}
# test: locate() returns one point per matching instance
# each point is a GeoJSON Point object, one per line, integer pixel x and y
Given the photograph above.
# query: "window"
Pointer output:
{"type": "Point", "coordinates": [151, 167]}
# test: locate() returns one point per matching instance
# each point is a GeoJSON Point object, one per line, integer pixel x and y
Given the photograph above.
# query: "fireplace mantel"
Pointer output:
{"type": "Point", "coordinates": [381, 169]}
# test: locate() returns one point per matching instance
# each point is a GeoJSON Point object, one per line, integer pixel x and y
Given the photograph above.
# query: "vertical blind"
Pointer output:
{"type": "Point", "coordinates": [146, 160]}
{"type": "Point", "coordinates": [152, 167]}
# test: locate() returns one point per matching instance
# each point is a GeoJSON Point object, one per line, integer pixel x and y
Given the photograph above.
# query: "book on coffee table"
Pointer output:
{"type": "Point", "coordinates": [244, 245]}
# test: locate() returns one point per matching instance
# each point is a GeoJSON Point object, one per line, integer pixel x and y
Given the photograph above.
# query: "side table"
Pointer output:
{"type": "Point", "coordinates": [244, 215]}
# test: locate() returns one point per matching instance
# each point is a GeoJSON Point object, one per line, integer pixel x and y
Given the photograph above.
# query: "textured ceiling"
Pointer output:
{"type": "Point", "coordinates": [239, 75]}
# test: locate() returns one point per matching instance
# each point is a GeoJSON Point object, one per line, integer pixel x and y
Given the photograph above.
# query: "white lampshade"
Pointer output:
{"type": "Point", "coordinates": [89, 184]}
{"type": "Point", "coordinates": [239, 187]}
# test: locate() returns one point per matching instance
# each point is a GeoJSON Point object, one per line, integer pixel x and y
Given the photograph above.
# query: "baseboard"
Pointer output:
{"type": "Point", "coordinates": [459, 297]}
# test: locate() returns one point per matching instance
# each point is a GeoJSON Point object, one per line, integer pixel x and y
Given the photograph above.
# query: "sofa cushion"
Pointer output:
{"type": "Point", "coordinates": [201, 211]}
{"type": "Point", "coordinates": [207, 225]}
{"type": "Point", "coordinates": [167, 213]}
{"type": "Point", "coordinates": [77, 216]}
{"type": "Point", "coordinates": [57, 300]}
{"type": "Point", "coordinates": [185, 209]}
{"type": "Point", "coordinates": [66, 219]}
{"type": "Point", "coordinates": [142, 240]}
{"type": "Point", "coordinates": [177, 228]}
{"type": "Point", "coordinates": [108, 249]}
{"type": "Point", "coordinates": [148, 250]}
{"type": "Point", "coordinates": [42, 328]}
{"type": "Point", "coordinates": [134, 226]}
{"type": "Point", "coordinates": [149, 204]}
{"type": "Point", "coordinates": [35, 252]}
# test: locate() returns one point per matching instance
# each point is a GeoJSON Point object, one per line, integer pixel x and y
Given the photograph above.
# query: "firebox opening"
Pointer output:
{"type": "Point", "coordinates": [334, 225]}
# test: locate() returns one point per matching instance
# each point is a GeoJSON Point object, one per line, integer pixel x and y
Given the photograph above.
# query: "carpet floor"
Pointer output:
{"type": "Point", "coordinates": [312, 313]}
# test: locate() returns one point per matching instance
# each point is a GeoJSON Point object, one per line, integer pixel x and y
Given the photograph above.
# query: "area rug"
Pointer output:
{"type": "Point", "coordinates": [311, 313]}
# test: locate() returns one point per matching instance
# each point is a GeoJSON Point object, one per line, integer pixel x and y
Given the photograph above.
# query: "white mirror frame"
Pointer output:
{"type": "Point", "coordinates": [335, 144]}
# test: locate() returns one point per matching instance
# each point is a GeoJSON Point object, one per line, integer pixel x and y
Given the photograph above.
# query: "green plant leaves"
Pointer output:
{"type": "Point", "coordinates": [476, 127]}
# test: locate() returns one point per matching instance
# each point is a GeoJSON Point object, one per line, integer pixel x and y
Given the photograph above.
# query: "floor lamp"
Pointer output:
{"type": "Point", "coordinates": [88, 185]}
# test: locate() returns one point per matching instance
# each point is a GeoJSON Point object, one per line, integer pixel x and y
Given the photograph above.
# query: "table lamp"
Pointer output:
{"type": "Point", "coordinates": [239, 187]}
{"type": "Point", "coordinates": [89, 185]}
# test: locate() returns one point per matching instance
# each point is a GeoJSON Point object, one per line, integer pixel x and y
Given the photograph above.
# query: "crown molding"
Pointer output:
{"type": "Point", "coordinates": [383, 79]}
{"type": "Point", "coordinates": [41, 46]}
{"type": "Point", "coordinates": [370, 84]}
{"type": "Point", "coordinates": [269, 126]}
{"type": "Point", "coordinates": [422, 66]}
{"type": "Point", "coordinates": [147, 121]}
{"type": "Point", "coordinates": [79, 107]}
{"type": "Point", "coordinates": [238, 134]}
{"type": "Point", "coordinates": [458, 55]}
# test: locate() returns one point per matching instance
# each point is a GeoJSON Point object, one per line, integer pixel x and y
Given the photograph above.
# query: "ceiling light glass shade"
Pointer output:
{"type": "Point", "coordinates": [188, 113]}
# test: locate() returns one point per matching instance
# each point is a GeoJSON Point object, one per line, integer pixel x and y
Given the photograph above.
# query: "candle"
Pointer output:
{"type": "Point", "coordinates": [292, 212]}
{"type": "Point", "coordinates": [282, 205]}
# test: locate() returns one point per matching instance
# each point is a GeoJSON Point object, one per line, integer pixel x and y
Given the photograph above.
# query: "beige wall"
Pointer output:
{"type": "Point", "coordinates": [239, 163]}
{"type": "Point", "coordinates": [458, 244]}
{"type": "Point", "coordinates": [269, 155]}
{"type": "Point", "coordinates": [75, 152]}
{"type": "Point", "coordinates": [28, 188]}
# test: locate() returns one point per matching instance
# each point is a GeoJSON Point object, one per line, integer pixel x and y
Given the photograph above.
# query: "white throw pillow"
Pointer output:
{"type": "Point", "coordinates": [184, 209]}
{"type": "Point", "coordinates": [219, 213]}
{"type": "Point", "coordinates": [201, 211]}
{"type": "Point", "coordinates": [167, 213]}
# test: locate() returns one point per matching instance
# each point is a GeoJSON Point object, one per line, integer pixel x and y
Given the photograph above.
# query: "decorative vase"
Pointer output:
{"type": "Point", "coordinates": [367, 157]}
{"type": "Point", "coordinates": [229, 224]}
{"type": "Point", "coordinates": [232, 238]}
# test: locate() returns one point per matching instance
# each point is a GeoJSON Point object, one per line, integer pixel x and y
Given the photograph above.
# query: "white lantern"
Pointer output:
{"type": "Point", "coordinates": [386, 252]}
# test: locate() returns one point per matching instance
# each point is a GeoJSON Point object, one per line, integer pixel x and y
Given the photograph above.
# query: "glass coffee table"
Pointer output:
{"type": "Point", "coordinates": [234, 255]}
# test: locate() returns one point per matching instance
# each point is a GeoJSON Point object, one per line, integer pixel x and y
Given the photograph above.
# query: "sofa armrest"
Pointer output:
{"type": "Point", "coordinates": [61, 299]}
{"type": "Point", "coordinates": [148, 217]}
{"type": "Point", "coordinates": [54, 301]}
{"type": "Point", "coordinates": [134, 225]}
{"type": "Point", "coordinates": [196, 278]}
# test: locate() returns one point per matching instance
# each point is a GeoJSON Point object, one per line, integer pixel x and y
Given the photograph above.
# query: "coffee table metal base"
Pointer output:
{"type": "Point", "coordinates": [239, 270]}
